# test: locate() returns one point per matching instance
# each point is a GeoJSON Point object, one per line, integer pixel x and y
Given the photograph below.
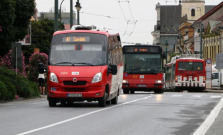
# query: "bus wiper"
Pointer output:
{"type": "Point", "coordinates": [64, 63]}
{"type": "Point", "coordinates": [154, 72]}
{"type": "Point", "coordinates": [130, 72]}
{"type": "Point", "coordinates": [83, 63]}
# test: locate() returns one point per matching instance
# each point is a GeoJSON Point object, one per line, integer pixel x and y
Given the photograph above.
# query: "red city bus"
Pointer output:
{"type": "Point", "coordinates": [143, 68]}
{"type": "Point", "coordinates": [186, 72]}
{"type": "Point", "coordinates": [84, 65]}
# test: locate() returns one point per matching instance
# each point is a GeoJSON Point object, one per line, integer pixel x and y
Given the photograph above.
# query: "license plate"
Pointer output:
{"type": "Point", "coordinates": [74, 95]}
{"type": "Point", "coordinates": [140, 85]}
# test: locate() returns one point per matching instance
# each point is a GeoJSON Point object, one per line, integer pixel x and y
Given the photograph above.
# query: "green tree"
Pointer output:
{"type": "Point", "coordinates": [42, 32]}
{"type": "Point", "coordinates": [15, 17]}
{"type": "Point", "coordinates": [7, 15]}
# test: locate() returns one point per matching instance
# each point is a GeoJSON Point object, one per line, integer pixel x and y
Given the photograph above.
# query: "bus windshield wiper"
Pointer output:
{"type": "Point", "coordinates": [64, 63]}
{"type": "Point", "coordinates": [153, 71]}
{"type": "Point", "coordinates": [83, 63]}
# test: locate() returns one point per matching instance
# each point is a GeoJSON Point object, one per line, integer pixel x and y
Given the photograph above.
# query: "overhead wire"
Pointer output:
{"type": "Point", "coordinates": [128, 21]}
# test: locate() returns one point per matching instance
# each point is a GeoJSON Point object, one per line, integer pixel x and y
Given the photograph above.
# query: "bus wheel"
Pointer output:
{"type": "Point", "coordinates": [52, 102]}
{"type": "Point", "coordinates": [114, 100]}
{"type": "Point", "coordinates": [125, 91]}
{"type": "Point", "coordinates": [102, 101]}
{"type": "Point", "coordinates": [132, 91]}
{"type": "Point", "coordinates": [158, 91]}
{"type": "Point", "coordinates": [108, 102]}
{"type": "Point", "coordinates": [63, 103]}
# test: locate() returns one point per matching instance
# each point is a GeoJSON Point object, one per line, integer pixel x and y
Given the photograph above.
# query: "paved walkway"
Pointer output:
{"type": "Point", "coordinates": [216, 127]}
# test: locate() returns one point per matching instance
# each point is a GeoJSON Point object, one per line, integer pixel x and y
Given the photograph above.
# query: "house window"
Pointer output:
{"type": "Point", "coordinates": [192, 12]}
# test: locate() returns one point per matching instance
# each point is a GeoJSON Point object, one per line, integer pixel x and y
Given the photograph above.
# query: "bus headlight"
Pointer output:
{"type": "Point", "coordinates": [53, 78]}
{"type": "Point", "coordinates": [97, 78]}
{"type": "Point", "coordinates": [124, 81]}
{"type": "Point", "coordinates": [176, 78]}
{"type": "Point", "coordinates": [159, 81]}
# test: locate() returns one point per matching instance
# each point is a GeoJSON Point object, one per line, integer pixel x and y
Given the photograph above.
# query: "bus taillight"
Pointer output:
{"type": "Point", "coordinates": [204, 78]}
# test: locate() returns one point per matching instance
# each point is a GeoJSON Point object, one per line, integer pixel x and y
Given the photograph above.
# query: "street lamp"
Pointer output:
{"type": "Point", "coordinates": [179, 37]}
{"type": "Point", "coordinates": [60, 14]}
{"type": "Point", "coordinates": [200, 31]}
{"type": "Point", "coordinates": [78, 7]}
{"type": "Point", "coordinates": [166, 44]}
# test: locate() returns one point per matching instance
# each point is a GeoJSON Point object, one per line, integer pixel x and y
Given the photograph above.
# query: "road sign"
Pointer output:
{"type": "Point", "coordinates": [208, 73]}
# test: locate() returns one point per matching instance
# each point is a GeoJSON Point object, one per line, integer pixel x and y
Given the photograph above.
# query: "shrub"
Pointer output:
{"type": "Point", "coordinates": [3, 91]}
{"type": "Point", "coordinates": [26, 88]}
{"type": "Point", "coordinates": [7, 61]}
{"type": "Point", "coordinates": [11, 91]}
{"type": "Point", "coordinates": [33, 64]}
{"type": "Point", "coordinates": [12, 84]}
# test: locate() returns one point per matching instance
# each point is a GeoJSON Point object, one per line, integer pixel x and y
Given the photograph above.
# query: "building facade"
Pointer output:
{"type": "Point", "coordinates": [169, 19]}
{"type": "Point", "coordinates": [209, 25]}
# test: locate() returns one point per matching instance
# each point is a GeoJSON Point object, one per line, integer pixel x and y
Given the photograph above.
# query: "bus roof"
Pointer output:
{"type": "Point", "coordinates": [138, 45]}
{"type": "Point", "coordinates": [86, 29]}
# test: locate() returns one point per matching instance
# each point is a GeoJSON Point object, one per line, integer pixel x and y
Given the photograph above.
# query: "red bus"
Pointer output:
{"type": "Point", "coordinates": [143, 68]}
{"type": "Point", "coordinates": [85, 64]}
{"type": "Point", "coordinates": [186, 72]}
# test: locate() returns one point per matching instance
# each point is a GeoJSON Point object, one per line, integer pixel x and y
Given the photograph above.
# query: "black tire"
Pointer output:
{"type": "Point", "coordinates": [63, 103]}
{"type": "Point", "coordinates": [114, 100]}
{"type": "Point", "coordinates": [102, 102]}
{"type": "Point", "coordinates": [132, 91]}
{"type": "Point", "coordinates": [125, 91]}
{"type": "Point", "coordinates": [52, 102]}
{"type": "Point", "coordinates": [108, 102]}
{"type": "Point", "coordinates": [158, 91]}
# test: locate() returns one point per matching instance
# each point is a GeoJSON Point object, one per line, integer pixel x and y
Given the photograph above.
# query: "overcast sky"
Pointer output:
{"type": "Point", "coordinates": [133, 19]}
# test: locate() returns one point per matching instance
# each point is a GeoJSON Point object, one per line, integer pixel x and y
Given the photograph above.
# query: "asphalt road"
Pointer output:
{"type": "Point", "coordinates": [135, 114]}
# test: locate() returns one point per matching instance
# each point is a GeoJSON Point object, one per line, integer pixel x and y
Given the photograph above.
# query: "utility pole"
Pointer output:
{"type": "Point", "coordinates": [78, 7]}
{"type": "Point", "coordinates": [166, 44]}
{"type": "Point", "coordinates": [71, 13]}
{"type": "Point", "coordinates": [56, 16]}
{"type": "Point", "coordinates": [201, 42]}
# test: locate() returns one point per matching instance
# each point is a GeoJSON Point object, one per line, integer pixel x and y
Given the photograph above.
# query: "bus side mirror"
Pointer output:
{"type": "Point", "coordinates": [113, 69]}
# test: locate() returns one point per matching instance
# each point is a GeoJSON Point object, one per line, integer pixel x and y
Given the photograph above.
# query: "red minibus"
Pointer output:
{"type": "Point", "coordinates": [185, 72]}
{"type": "Point", "coordinates": [143, 68]}
{"type": "Point", "coordinates": [85, 64]}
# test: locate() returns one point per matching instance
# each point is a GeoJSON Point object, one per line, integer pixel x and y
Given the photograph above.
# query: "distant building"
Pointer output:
{"type": "Point", "coordinates": [65, 18]}
{"type": "Point", "coordinates": [212, 35]}
{"type": "Point", "coordinates": [169, 19]}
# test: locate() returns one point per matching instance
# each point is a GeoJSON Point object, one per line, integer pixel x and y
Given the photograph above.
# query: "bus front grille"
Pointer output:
{"type": "Point", "coordinates": [74, 83]}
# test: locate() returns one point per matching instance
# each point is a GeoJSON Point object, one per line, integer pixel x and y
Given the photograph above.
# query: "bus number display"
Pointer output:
{"type": "Point", "coordinates": [134, 49]}
{"type": "Point", "coordinates": [76, 39]}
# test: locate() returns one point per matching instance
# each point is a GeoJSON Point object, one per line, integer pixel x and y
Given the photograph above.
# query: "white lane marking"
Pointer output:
{"type": "Point", "coordinates": [216, 97]}
{"type": "Point", "coordinates": [209, 120]}
{"type": "Point", "coordinates": [80, 116]}
{"type": "Point", "coordinates": [177, 95]}
{"type": "Point", "coordinates": [198, 96]}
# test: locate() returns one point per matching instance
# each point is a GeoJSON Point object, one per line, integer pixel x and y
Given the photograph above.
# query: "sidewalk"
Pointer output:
{"type": "Point", "coordinates": [215, 91]}
{"type": "Point", "coordinates": [216, 127]}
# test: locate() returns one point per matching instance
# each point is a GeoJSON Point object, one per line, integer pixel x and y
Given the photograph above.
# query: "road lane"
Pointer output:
{"type": "Point", "coordinates": [140, 113]}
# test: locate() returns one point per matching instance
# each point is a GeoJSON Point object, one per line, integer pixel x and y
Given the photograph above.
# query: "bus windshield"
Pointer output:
{"type": "Point", "coordinates": [78, 49]}
{"type": "Point", "coordinates": [142, 63]}
{"type": "Point", "coordinates": [190, 66]}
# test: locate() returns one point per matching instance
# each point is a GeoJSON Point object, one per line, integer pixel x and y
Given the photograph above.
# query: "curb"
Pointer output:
{"type": "Point", "coordinates": [215, 91]}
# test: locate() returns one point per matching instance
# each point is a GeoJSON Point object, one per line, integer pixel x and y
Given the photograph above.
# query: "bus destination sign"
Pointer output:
{"type": "Point", "coordinates": [76, 39]}
{"type": "Point", "coordinates": [137, 49]}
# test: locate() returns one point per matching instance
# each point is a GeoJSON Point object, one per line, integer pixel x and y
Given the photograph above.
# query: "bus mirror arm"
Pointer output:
{"type": "Point", "coordinates": [113, 69]}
